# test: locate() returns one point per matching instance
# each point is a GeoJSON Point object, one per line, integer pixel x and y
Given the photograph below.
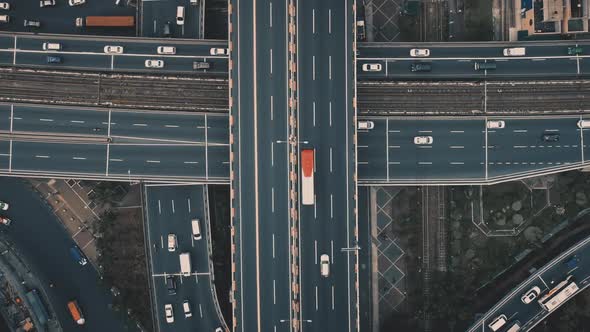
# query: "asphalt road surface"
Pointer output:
{"type": "Point", "coordinates": [37, 234]}
{"type": "Point", "coordinates": [169, 210]}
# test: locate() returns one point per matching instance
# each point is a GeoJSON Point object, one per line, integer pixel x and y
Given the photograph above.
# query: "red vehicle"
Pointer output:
{"type": "Point", "coordinates": [106, 21]}
{"type": "Point", "coordinates": [76, 312]}
{"type": "Point", "coordinates": [307, 170]}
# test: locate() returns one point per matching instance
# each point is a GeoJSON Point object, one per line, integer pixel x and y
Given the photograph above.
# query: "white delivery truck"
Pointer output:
{"type": "Point", "coordinates": [185, 264]}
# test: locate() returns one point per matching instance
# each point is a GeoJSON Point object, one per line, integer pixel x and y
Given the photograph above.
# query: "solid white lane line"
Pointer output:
{"type": "Point", "coordinates": [313, 113]}
{"type": "Point", "coordinates": [173, 210]}
{"type": "Point", "coordinates": [11, 116]}
{"type": "Point", "coordinates": [331, 206]}
{"type": "Point", "coordinates": [330, 110]}
{"type": "Point", "coordinates": [330, 159]}
{"type": "Point", "coordinates": [313, 67]}
{"type": "Point", "coordinates": [330, 67]}
{"type": "Point", "coordinates": [330, 21]}
{"type": "Point", "coordinates": [10, 157]}
{"type": "Point", "coordinates": [315, 252]}
{"type": "Point", "coordinates": [316, 298]}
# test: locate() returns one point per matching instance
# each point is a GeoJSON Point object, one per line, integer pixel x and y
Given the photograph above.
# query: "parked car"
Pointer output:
{"type": "Point", "coordinates": [419, 52]}
{"type": "Point", "coordinates": [154, 63]}
{"type": "Point", "coordinates": [372, 67]}
{"type": "Point", "coordinates": [423, 140]}
{"type": "Point", "coordinates": [169, 312]}
{"type": "Point", "coordinates": [77, 2]}
{"type": "Point", "coordinates": [3, 206]}
{"type": "Point", "coordinates": [32, 23]}
{"type": "Point", "coordinates": [46, 3]}
{"type": "Point", "coordinates": [532, 294]}
{"type": "Point", "coordinates": [113, 49]}
{"type": "Point", "coordinates": [219, 51]}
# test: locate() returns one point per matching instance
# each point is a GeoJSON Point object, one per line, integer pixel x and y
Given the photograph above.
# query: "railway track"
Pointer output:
{"type": "Point", "coordinates": [473, 98]}
{"type": "Point", "coordinates": [113, 90]}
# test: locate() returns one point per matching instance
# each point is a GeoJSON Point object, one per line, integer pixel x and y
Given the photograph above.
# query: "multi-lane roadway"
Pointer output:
{"type": "Point", "coordinates": [87, 53]}
{"type": "Point", "coordinates": [546, 278]}
{"type": "Point", "coordinates": [169, 210]}
{"type": "Point", "coordinates": [325, 92]}
{"type": "Point", "coordinates": [98, 143]}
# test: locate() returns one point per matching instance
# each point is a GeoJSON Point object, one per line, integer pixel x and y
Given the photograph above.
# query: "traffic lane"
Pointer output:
{"type": "Point", "coordinates": [172, 63]}
{"type": "Point", "coordinates": [457, 68]}
{"type": "Point", "coordinates": [59, 120]}
{"type": "Point", "coordinates": [6, 42]}
{"type": "Point", "coordinates": [161, 160]}
{"type": "Point", "coordinates": [534, 67]}
{"type": "Point", "coordinates": [218, 161]}
{"type": "Point", "coordinates": [372, 154]}
{"type": "Point", "coordinates": [217, 129]}
{"type": "Point", "coordinates": [6, 57]}
{"type": "Point", "coordinates": [68, 60]}
{"type": "Point", "coordinates": [5, 116]}
{"type": "Point", "coordinates": [40, 238]}
{"type": "Point", "coordinates": [179, 127]}
{"type": "Point", "coordinates": [5, 151]}
{"type": "Point", "coordinates": [520, 146]}
{"type": "Point", "coordinates": [68, 158]}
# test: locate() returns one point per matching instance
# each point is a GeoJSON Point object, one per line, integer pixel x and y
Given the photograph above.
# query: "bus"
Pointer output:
{"type": "Point", "coordinates": [559, 294]}
{"type": "Point", "coordinates": [76, 312]}
{"type": "Point", "coordinates": [307, 170]}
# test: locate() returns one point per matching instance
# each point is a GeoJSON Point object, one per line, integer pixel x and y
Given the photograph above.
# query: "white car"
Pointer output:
{"type": "Point", "coordinates": [421, 140]}
{"type": "Point", "coordinates": [419, 52]}
{"type": "Point", "coordinates": [169, 312]}
{"type": "Point", "coordinates": [219, 329]}
{"type": "Point", "coordinates": [325, 265]}
{"type": "Point", "coordinates": [46, 3]}
{"type": "Point", "coordinates": [366, 125]}
{"type": "Point", "coordinates": [219, 51]}
{"type": "Point", "coordinates": [532, 294]}
{"type": "Point", "coordinates": [372, 67]}
{"type": "Point", "coordinates": [3, 206]}
{"type": "Point", "coordinates": [154, 64]}
{"type": "Point", "coordinates": [113, 49]}
{"type": "Point", "coordinates": [5, 5]}
{"type": "Point", "coordinates": [77, 2]}
{"type": "Point", "coordinates": [496, 124]}
{"type": "Point", "coordinates": [172, 244]}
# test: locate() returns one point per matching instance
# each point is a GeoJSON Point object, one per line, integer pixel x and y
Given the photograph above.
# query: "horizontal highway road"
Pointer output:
{"type": "Point", "coordinates": [87, 53]}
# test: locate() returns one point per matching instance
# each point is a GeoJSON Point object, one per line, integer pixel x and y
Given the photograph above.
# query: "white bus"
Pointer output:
{"type": "Point", "coordinates": [307, 168]}
{"type": "Point", "coordinates": [559, 294]}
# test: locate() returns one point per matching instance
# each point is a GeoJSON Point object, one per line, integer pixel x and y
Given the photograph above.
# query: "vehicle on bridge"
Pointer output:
{"type": "Point", "coordinates": [487, 65]}
{"type": "Point", "coordinates": [76, 312]}
{"type": "Point", "coordinates": [423, 140]}
{"type": "Point", "coordinates": [584, 124]}
{"type": "Point", "coordinates": [105, 21]}
{"type": "Point", "coordinates": [496, 124]}
{"type": "Point", "coordinates": [307, 170]}
{"type": "Point", "coordinates": [46, 3]}
{"type": "Point", "coordinates": [113, 49]}
{"type": "Point", "coordinates": [185, 264]}
{"type": "Point", "coordinates": [4, 5]}
{"type": "Point", "coordinates": [196, 228]}
{"type": "Point", "coordinates": [515, 51]}
{"type": "Point", "coordinates": [419, 52]}
{"type": "Point", "coordinates": [5, 221]}
{"type": "Point", "coordinates": [514, 327]}
{"type": "Point", "coordinates": [574, 50]}
{"type": "Point", "coordinates": [498, 322]}
{"type": "Point", "coordinates": [559, 294]}
{"type": "Point", "coordinates": [169, 312]}
{"type": "Point", "coordinates": [421, 67]}
{"type": "Point", "coordinates": [371, 67]}
{"type": "Point", "coordinates": [532, 294]}
{"type": "Point", "coordinates": [3, 206]}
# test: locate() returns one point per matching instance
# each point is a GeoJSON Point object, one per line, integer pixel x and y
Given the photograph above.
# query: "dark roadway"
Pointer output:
{"type": "Point", "coordinates": [37, 235]}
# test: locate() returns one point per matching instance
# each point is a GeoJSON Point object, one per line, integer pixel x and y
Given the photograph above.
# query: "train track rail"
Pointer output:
{"type": "Point", "coordinates": [113, 90]}
{"type": "Point", "coordinates": [474, 98]}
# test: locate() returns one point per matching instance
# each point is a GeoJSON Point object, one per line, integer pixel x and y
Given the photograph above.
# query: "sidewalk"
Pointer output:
{"type": "Point", "coordinates": [75, 210]}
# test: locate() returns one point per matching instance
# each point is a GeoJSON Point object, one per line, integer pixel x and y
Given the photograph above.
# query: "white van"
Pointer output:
{"type": "Point", "coordinates": [196, 225]}
{"type": "Point", "coordinates": [51, 46]}
{"type": "Point", "coordinates": [186, 307]}
{"type": "Point", "coordinates": [166, 50]}
{"type": "Point", "coordinates": [584, 124]}
{"type": "Point", "coordinates": [180, 15]}
{"type": "Point", "coordinates": [497, 323]}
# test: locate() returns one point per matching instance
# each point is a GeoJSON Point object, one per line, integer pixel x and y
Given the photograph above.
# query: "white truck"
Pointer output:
{"type": "Point", "coordinates": [185, 264]}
